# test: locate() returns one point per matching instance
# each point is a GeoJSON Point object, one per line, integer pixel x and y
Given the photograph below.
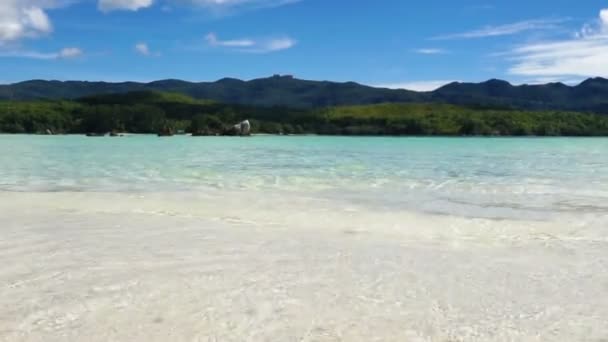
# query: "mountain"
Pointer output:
{"type": "Point", "coordinates": [272, 91]}
{"type": "Point", "coordinates": [591, 95]}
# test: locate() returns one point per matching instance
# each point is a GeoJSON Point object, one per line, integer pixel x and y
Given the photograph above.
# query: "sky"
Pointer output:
{"type": "Point", "coordinates": [412, 44]}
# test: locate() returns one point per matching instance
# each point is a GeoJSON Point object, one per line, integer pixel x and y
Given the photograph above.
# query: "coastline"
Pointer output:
{"type": "Point", "coordinates": [319, 239]}
{"type": "Point", "coordinates": [127, 134]}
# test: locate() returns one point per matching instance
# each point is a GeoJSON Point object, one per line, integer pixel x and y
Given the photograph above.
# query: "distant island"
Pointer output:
{"type": "Point", "coordinates": [287, 91]}
{"type": "Point", "coordinates": [286, 105]}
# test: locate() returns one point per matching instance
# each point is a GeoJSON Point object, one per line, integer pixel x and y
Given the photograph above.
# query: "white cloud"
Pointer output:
{"type": "Point", "coordinates": [66, 53]}
{"type": "Point", "coordinates": [221, 8]}
{"type": "Point", "coordinates": [598, 27]}
{"type": "Point", "coordinates": [416, 85]}
{"type": "Point", "coordinates": [276, 44]}
{"type": "Point", "coordinates": [604, 17]}
{"type": "Point", "coordinates": [505, 30]}
{"type": "Point", "coordinates": [430, 51]}
{"type": "Point", "coordinates": [70, 52]}
{"type": "Point", "coordinates": [24, 19]}
{"type": "Point", "coordinates": [252, 45]}
{"type": "Point", "coordinates": [226, 4]}
{"type": "Point", "coordinates": [142, 48]}
{"type": "Point", "coordinates": [212, 40]}
{"type": "Point", "coordinates": [583, 55]}
{"type": "Point", "coordinates": [125, 5]}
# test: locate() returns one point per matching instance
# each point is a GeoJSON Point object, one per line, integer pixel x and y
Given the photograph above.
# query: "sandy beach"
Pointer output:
{"type": "Point", "coordinates": [303, 171]}
{"type": "Point", "coordinates": [228, 267]}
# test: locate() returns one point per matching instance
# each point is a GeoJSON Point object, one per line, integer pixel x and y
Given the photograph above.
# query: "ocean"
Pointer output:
{"type": "Point", "coordinates": [303, 238]}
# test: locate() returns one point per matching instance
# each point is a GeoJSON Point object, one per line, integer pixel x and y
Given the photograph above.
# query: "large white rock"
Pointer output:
{"type": "Point", "coordinates": [243, 128]}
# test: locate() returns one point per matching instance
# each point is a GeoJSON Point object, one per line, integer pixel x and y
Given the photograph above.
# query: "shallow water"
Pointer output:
{"type": "Point", "coordinates": [477, 177]}
{"type": "Point", "coordinates": [303, 239]}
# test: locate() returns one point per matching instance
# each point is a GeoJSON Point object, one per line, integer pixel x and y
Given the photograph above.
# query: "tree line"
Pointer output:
{"type": "Point", "coordinates": [154, 112]}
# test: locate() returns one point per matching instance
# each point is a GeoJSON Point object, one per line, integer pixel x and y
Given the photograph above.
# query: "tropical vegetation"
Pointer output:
{"type": "Point", "coordinates": [154, 112]}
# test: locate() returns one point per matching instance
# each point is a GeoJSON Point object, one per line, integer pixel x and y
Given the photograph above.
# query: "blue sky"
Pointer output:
{"type": "Point", "coordinates": [396, 43]}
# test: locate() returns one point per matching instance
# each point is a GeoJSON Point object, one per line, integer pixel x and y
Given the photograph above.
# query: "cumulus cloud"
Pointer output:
{"type": "Point", "coordinates": [124, 5]}
{"type": "Point", "coordinates": [24, 19]}
{"type": "Point", "coordinates": [505, 30]}
{"type": "Point", "coordinates": [583, 55]}
{"type": "Point", "coordinates": [251, 45]}
{"type": "Point", "coordinates": [599, 26]}
{"type": "Point", "coordinates": [66, 53]}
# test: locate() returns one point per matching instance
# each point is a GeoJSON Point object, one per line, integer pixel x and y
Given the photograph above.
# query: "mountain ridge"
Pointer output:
{"type": "Point", "coordinates": [590, 95]}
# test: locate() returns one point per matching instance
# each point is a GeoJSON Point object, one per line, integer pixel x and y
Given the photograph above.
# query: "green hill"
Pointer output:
{"type": "Point", "coordinates": [286, 91]}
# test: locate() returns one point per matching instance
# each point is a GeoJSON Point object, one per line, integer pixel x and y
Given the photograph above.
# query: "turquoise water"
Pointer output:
{"type": "Point", "coordinates": [480, 177]}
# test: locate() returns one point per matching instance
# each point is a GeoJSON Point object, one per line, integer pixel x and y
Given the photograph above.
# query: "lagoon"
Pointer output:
{"type": "Point", "coordinates": [303, 238]}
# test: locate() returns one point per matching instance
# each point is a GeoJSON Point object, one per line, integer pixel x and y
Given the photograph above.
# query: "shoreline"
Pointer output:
{"type": "Point", "coordinates": [124, 134]}
{"type": "Point", "coordinates": [297, 209]}
{"type": "Point", "coordinates": [303, 239]}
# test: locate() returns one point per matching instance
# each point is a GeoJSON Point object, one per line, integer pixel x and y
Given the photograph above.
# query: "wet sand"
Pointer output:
{"type": "Point", "coordinates": [246, 267]}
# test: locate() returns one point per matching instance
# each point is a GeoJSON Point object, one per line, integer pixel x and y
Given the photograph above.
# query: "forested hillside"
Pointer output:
{"type": "Point", "coordinates": [154, 112]}
{"type": "Point", "coordinates": [286, 91]}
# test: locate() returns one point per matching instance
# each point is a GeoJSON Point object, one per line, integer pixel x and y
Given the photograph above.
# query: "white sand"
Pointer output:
{"type": "Point", "coordinates": [276, 267]}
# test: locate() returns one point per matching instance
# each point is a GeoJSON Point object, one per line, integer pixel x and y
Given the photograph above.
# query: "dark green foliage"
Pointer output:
{"type": "Point", "coordinates": [285, 91]}
{"type": "Point", "coordinates": [36, 117]}
{"type": "Point", "coordinates": [270, 128]}
{"type": "Point", "coordinates": [474, 126]}
{"type": "Point", "coordinates": [206, 124]}
{"type": "Point", "coordinates": [451, 120]}
{"type": "Point", "coordinates": [154, 112]}
{"type": "Point", "coordinates": [101, 118]}
{"type": "Point", "coordinates": [266, 92]}
{"type": "Point", "coordinates": [591, 95]}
